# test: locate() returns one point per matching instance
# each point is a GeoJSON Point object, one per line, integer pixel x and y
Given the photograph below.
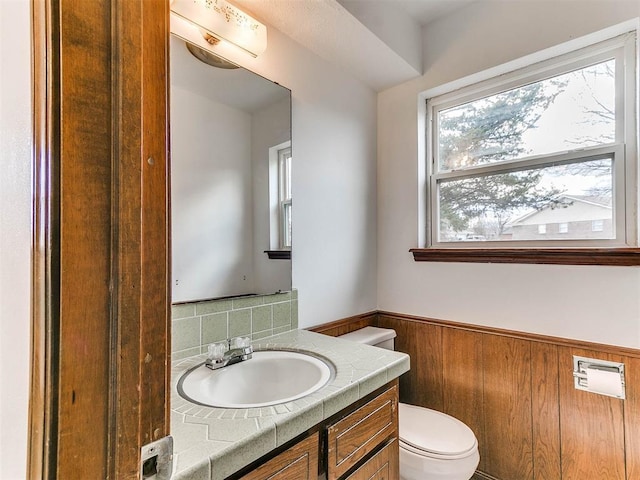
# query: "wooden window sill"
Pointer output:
{"type": "Point", "coordinates": [278, 254]}
{"type": "Point", "coordinates": [550, 256]}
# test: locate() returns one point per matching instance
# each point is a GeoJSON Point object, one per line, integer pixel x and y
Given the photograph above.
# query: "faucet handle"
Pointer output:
{"type": "Point", "coordinates": [216, 351]}
{"type": "Point", "coordinates": [240, 342]}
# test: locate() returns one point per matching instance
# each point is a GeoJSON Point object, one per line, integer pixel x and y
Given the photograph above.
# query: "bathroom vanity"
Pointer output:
{"type": "Point", "coordinates": [358, 446]}
{"type": "Point", "coordinates": [347, 429]}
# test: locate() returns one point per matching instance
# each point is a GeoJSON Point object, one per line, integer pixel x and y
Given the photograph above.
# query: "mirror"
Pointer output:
{"type": "Point", "coordinates": [230, 179]}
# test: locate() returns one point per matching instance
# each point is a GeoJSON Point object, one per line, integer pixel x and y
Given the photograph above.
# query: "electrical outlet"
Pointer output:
{"type": "Point", "coordinates": [156, 460]}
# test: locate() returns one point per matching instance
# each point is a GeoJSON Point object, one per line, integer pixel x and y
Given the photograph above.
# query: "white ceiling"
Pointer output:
{"type": "Point", "coordinates": [425, 11]}
{"type": "Point", "coordinates": [377, 41]}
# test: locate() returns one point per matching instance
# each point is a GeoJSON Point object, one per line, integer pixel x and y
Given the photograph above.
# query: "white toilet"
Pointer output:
{"type": "Point", "coordinates": [433, 445]}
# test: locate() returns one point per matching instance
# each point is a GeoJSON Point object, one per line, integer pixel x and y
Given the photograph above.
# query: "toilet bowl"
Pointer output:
{"type": "Point", "coordinates": [433, 445]}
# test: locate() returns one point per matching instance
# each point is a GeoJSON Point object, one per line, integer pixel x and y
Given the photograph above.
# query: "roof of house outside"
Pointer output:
{"type": "Point", "coordinates": [568, 208]}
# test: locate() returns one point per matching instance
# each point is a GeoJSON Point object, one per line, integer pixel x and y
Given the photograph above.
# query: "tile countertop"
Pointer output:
{"type": "Point", "coordinates": [212, 443]}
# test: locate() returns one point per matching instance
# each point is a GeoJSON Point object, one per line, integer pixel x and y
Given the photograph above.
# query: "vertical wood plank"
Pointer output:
{"type": "Point", "coordinates": [155, 334]}
{"type": "Point", "coordinates": [127, 242]}
{"type": "Point", "coordinates": [85, 238]}
{"type": "Point", "coordinates": [462, 380]}
{"type": "Point", "coordinates": [422, 385]}
{"type": "Point", "coordinates": [545, 413]}
{"type": "Point", "coordinates": [141, 241]}
{"type": "Point", "coordinates": [632, 417]}
{"type": "Point", "coordinates": [507, 408]}
{"type": "Point", "coordinates": [592, 442]}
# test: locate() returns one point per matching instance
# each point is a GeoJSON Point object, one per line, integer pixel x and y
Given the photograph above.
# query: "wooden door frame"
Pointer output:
{"type": "Point", "coordinates": [101, 295]}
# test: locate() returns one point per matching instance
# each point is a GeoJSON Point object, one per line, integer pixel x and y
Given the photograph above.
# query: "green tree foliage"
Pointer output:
{"type": "Point", "coordinates": [494, 197]}
{"type": "Point", "coordinates": [487, 131]}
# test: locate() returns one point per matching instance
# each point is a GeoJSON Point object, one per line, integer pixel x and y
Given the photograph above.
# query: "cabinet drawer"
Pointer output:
{"type": "Point", "coordinates": [359, 433]}
{"type": "Point", "coordinates": [300, 462]}
{"type": "Point", "coordinates": [382, 466]}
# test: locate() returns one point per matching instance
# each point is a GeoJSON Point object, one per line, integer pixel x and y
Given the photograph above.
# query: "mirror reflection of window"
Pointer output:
{"type": "Point", "coordinates": [280, 160]}
{"type": "Point", "coordinates": [284, 189]}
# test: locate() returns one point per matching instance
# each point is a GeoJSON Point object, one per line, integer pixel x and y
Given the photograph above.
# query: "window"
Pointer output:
{"type": "Point", "coordinates": [554, 143]}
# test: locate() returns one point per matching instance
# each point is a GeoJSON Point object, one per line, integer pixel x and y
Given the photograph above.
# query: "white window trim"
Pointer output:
{"type": "Point", "coordinates": [284, 201]}
{"type": "Point", "coordinates": [276, 227]}
{"type": "Point", "coordinates": [623, 47]}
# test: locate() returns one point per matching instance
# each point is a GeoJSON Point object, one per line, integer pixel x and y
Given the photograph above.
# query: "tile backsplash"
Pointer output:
{"type": "Point", "coordinates": [195, 325]}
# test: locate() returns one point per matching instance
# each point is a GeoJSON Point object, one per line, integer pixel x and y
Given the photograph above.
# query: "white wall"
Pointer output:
{"type": "Point", "coordinates": [15, 234]}
{"type": "Point", "coordinates": [600, 304]}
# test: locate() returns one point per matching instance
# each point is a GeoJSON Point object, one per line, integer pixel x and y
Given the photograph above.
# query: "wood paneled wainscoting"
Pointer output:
{"type": "Point", "coordinates": [516, 392]}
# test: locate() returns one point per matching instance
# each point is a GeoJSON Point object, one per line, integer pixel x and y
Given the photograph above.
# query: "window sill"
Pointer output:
{"type": "Point", "coordinates": [549, 256]}
{"type": "Point", "coordinates": [278, 254]}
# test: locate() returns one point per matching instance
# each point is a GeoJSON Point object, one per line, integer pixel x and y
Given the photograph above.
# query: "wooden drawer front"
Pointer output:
{"type": "Point", "coordinates": [353, 437]}
{"type": "Point", "coordinates": [382, 466]}
{"type": "Point", "coordinates": [300, 462]}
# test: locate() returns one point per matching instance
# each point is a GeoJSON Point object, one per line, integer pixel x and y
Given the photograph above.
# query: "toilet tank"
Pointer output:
{"type": "Point", "coordinates": [378, 337]}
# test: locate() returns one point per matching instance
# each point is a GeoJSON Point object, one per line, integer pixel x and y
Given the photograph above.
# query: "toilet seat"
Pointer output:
{"type": "Point", "coordinates": [434, 434]}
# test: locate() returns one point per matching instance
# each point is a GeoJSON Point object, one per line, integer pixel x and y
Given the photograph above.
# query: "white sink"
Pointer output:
{"type": "Point", "coordinates": [269, 378]}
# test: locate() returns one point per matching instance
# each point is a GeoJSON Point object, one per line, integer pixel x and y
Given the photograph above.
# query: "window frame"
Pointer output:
{"type": "Point", "coordinates": [623, 151]}
{"type": "Point", "coordinates": [277, 249]}
{"type": "Point", "coordinates": [284, 201]}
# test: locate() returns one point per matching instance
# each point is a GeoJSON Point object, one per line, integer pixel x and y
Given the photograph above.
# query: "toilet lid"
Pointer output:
{"type": "Point", "coordinates": [434, 432]}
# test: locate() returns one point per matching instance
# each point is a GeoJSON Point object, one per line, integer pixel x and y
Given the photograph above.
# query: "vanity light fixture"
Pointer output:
{"type": "Point", "coordinates": [224, 22]}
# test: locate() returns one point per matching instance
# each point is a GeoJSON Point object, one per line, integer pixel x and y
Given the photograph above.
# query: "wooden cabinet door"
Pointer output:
{"type": "Point", "coordinates": [300, 462]}
{"type": "Point", "coordinates": [361, 432]}
{"type": "Point", "coordinates": [382, 466]}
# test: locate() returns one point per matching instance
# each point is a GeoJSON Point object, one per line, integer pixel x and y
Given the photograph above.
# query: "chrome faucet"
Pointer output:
{"type": "Point", "coordinates": [232, 351]}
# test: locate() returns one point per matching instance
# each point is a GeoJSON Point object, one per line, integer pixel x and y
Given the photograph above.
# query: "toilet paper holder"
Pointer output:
{"type": "Point", "coordinates": [607, 377]}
